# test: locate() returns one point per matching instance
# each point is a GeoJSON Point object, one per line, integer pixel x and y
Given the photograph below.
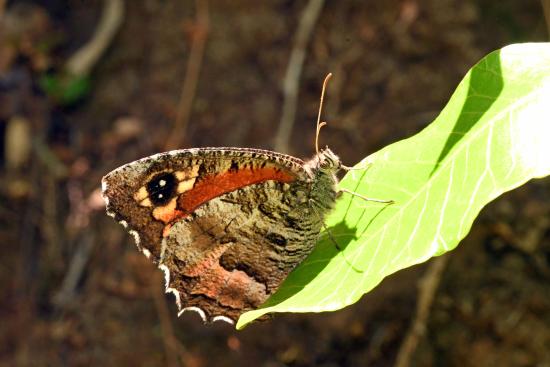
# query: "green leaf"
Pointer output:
{"type": "Point", "coordinates": [493, 136]}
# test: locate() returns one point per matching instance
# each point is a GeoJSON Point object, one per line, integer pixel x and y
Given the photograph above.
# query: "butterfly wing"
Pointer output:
{"type": "Point", "coordinates": [226, 225]}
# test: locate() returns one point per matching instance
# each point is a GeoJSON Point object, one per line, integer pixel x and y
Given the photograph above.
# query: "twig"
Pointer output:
{"type": "Point", "coordinates": [76, 269]}
{"type": "Point", "coordinates": [53, 242]}
{"type": "Point", "coordinates": [82, 62]}
{"type": "Point", "coordinates": [172, 346]}
{"type": "Point", "coordinates": [54, 165]}
{"type": "Point", "coordinates": [546, 9]}
{"type": "Point", "coordinates": [188, 91]}
{"type": "Point", "coordinates": [2, 8]}
{"type": "Point", "coordinates": [294, 71]}
{"type": "Point", "coordinates": [28, 245]}
{"type": "Point", "coordinates": [427, 288]}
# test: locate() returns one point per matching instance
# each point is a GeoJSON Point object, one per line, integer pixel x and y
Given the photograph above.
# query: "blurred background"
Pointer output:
{"type": "Point", "coordinates": [86, 86]}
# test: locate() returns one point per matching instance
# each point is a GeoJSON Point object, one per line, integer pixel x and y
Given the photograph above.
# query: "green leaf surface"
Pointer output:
{"type": "Point", "coordinates": [493, 135]}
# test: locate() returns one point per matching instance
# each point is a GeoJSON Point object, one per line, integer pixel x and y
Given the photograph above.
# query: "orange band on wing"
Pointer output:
{"type": "Point", "coordinates": [213, 186]}
{"type": "Point", "coordinates": [210, 187]}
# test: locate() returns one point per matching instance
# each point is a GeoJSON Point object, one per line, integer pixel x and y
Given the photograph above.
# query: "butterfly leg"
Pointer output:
{"type": "Point", "coordinates": [348, 168]}
{"type": "Point", "coordinates": [340, 249]}
{"type": "Point", "coordinates": [367, 198]}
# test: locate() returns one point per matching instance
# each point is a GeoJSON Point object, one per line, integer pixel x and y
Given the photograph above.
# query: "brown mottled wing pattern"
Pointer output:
{"type": "Point", "coordinates": [227, 225]}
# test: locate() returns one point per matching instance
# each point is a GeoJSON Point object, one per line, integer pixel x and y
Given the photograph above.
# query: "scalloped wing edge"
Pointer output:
{"type": "Point", "coordinates": [162, 267]}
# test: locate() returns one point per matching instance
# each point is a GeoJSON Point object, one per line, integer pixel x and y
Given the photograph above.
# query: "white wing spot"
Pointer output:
{"type": "Point", "coordinates": [169, 289]}
{"type": "Point", "coordinates": [103, 185]}
{"type": "Point", "coordinates": [136, 237]}
{"type": "Point", "coordinates": [195, 309]}
{"type": "Point", "coordinates": [222, 318]}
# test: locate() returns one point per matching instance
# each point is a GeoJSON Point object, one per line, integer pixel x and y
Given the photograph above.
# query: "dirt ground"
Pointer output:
{"type": "Point", "coordinates": [75, 291]}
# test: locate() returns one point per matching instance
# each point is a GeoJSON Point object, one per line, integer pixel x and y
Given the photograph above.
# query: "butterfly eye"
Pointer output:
{"type": "Point", "coordinates": [328, 162]}
{"type": "Point", "coordinates": [161, 188]}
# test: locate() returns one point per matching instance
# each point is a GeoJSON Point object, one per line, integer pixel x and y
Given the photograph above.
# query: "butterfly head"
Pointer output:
{"type": "Point", "coordinates": [325, 162]}
{"type": "Point", "coordinates": [328, 161]}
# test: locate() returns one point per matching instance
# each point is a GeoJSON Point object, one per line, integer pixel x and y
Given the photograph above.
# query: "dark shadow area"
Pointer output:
{"type": "Point", "coordinates": [330, 246]}
{"type": "Point", "coordinates": [485, 84]}
{"type": "Point", "coordinates": [323, 254]}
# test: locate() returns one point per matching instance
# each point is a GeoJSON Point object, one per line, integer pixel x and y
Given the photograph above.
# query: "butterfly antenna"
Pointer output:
{"type": "Point", "coordinates": [319, 123]}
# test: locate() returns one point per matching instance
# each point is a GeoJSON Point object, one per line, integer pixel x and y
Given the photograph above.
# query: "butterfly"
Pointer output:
{"type": "Point", "coordinates": [226, 225]}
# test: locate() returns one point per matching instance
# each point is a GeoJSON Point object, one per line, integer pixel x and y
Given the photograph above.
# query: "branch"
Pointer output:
{"type": "Point", "coordinates": [75, 271]}
{"type": "Point", "coordinates": [546, 10]}
{"type": "Point", "coordinates": [82, 62]}
{"type": "Point", "coordinates": [188, 91]}
{"type": "Point", "coordinates": [294, 71]}
{"type": "Point", "coordinates": [427, 288]}
{"type": "Point", "coordinates": [176, 354]}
